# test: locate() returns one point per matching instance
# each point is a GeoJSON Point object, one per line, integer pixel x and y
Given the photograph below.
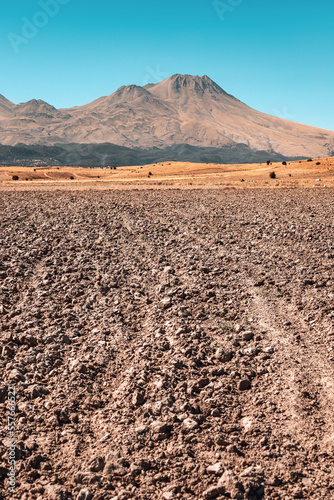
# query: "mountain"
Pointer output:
{"type": "Point", "coordinates": [6, 108]}
{"type": "Point", "coordinates": [181, 110]}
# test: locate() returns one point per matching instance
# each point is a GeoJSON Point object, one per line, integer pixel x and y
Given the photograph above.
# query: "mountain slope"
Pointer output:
{"type": "Point", "coordinates": [6, 107]}
{"type": "Point", "coordinates": [182, 109]}
{"type": "Point", "coordinates": [93, 155]}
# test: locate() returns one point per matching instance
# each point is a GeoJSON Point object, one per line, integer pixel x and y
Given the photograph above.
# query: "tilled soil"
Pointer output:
{"type": "Point", "coordinates": [168, 344]}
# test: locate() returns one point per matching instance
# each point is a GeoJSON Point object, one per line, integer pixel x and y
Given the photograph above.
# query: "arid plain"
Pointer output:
{"type": "Point", "coordinates": [305, 173]}
{"type": "Point", "coordinates": [169, 338]}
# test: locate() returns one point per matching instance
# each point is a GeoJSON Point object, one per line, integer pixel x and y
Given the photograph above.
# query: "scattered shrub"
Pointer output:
{"type": "Point", "coordinates": [15, 178]}
{"type": "Point", "coordinates": [318, 163]}
{"type": "Point", "coordinates": [310, 159]}
{"type": "Point", "coordinates": [272, 175]}
{"type": "Point", "coordinates": [71, 177]}
{"type": "Point", "coordinates": [268, 162]}
{"type": "Point", "coordinates": [150, 173]}
{"type": "Point", "coordinates": [284, 163]}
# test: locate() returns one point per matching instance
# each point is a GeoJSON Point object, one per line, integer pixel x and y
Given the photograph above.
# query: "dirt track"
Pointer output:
{"type": "Point", "coordinates": [169, 344]}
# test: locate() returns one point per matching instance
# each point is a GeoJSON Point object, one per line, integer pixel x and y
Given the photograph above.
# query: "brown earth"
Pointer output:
{"type": "Point", "coordinates": [317, 173]}
{"type": "Point", "coordinates": [173, 344]}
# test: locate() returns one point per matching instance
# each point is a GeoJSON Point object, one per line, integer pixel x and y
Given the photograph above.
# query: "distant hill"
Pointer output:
{"type": "Point", "coordinates": [94, 155]}
{"type": "Point", "coordinates": [185, 117]}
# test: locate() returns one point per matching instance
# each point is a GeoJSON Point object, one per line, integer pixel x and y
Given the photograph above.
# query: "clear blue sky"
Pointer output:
{"type": "Point", "coordinates": [276, 56]}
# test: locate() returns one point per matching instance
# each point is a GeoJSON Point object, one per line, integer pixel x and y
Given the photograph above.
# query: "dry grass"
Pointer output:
{"type": "Point", "coordinates": [173, 174]}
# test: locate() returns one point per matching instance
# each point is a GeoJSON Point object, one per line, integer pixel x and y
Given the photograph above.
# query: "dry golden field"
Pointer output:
{"type": "Point", "coordinates": [318, 173]}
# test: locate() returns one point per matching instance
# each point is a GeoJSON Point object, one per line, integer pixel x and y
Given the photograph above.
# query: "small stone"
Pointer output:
{"type": "Point", "coordinates": [226, 356]}
{"type": "Point", "coordinates": [56, 492]}
{"type": "Point", "coordinates": [97, 464]}
{"type": "Point", "coordinates": [252, 471]}
{"type": "Point", "coordinates": [168, 495]}
{"type": "Point", "coordinates": [215, 413]}
{"type": "Point", "coordinates": [264, 441]}
{"type": "Point", "coordinates": [161, 436]}
{"type": "Point", "coordinates": [221, 441]}
{"type": "Point", "coordinates": [77, 366]}
{"type": "Point", "coordinates": [229, 481]}
{"type": "Point", "coordinates": [37, 391]}
{"type": "Point", "coordinates": [29, 340]}
{"type": "Point", "coordinates": [160, 427]}
{"type": "Point", "coordinates": [213, 492]}
{"type": "Point", "coordinates": [203, 382]}
{"type": "Point", "coordinates": [109, 467]}
{"type": "Point", "coordinates": [247, 335]}
{"type": "Point", "coordinates": [215, 469]}
{"type": "Point", "coordinates": [135, 469]}
{"type": "Point", "coordinates": [219, 353]}
{"type": "Point", "coordinates": [190, 424]}
{"type": "Point", "coordinates": [141, 429]}
{"type": "Point", "coordinates": [166, 303]}
{"type": "Point", "coordinates": [82, 368]}
{"type": "Point", "coordinates": [249, 351]}
{"type": "Point", "coordinates": [138, 398]}
{"type": "Point", "coordinates": [16, 376]}
{"type": "Point", "coordinates": [273, 481]}
{"type": "Point", "coordinates": [244, 384]}
{"type": "Point", "coordinates": [7, 351]}
{"type": "Point", "coordinates": [35, 460]}
{"type": "Point", "coordinates": [74, 417]}
{"type": "Point", "coordinates": [84, 494]}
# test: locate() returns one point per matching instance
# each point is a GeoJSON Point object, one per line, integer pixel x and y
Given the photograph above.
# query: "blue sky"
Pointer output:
{"type": "Point", "coordinates": [276, 56]}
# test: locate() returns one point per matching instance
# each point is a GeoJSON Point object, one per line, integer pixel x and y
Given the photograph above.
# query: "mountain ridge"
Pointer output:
{"type": "Point", "coordinates": [182, 109]}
